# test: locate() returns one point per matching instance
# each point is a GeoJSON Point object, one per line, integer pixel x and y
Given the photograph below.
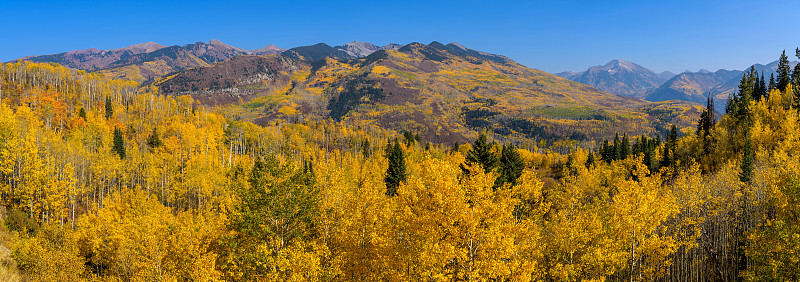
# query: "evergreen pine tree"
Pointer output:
{"type": "Point", "coordinates": [409, 137]}
{"type": "Point", "coordinates": [762, 89]}
{"type": "Point", "coordinates": [109, 108]}
{"type": "Point", "coordinates": [784, 75]}
{"type": "Point", "coordinates": [590, 160]}
{"type": "Point", "coordinates": [747, 162]}
{"type": "Point", "coordinates": [82, 113]}
{"type": "Point", "coordinates": [481, 153]}
{"type": "Point", "coordinates": [666, 157]}
{"type": "Point", "coordinates": [396, 172]}
{"type": "Point", "coordinates": [771, 85]}
{"type": "Point", "coordinates": [707, 119]}
{"type": "Point", "coordinates": [648, 150]}
{"type": "Point", "coordinates": [673, 138]}
{"type": "Point", "coordinates": [617, 148]}
{"type": "Point", "coordinates": [626, 147]}
{"type": "Point", "coordinates": [732, 107]}
{"type": "Point", "coordinates": [153, 141]}
{"type": "Point", "coordinates": [119, 143]}
{"type": "Point", "coordinates": [511, 166]}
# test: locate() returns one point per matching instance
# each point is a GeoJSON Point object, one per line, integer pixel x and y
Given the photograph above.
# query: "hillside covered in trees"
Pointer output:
{"type": "Point", "coordinates": [105, 179]}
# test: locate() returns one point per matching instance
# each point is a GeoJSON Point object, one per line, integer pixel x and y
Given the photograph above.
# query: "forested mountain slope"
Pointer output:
{"type": "Point", "coordinates": [442, 92]}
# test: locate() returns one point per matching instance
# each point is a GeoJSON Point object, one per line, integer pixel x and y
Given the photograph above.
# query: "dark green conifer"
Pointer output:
{"type": "Point", "coordinates": [511, 166]}
{"type": "Point", "coordinates": [761, 91]}
{"type": "Point", "coordinates": [771, 85]}
{"type": "Point", "coordinates": [396, 172]}
{"type": "Point", "coordinates": [626, 147]}
{"type": "Point", "coordinates": [109, 108]}
{"type": "Point", "coordinates": [481, 153]}
{"type": "Point", "coordinates": [154, 141]}
{"type": "Point", "coordinates": [82, 113]}
{"type": "Point", "coordinates": [746, 173]}
{"type": "Point", "coordinates": [119, 143]}
{"type": "Point", "coordinates": [784, 72]}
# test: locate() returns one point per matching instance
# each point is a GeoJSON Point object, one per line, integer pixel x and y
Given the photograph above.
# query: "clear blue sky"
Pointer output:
{"type": "Point", "coordinates": [552, 36]}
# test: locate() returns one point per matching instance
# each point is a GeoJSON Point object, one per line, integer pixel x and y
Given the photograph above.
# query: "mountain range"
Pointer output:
{"type": "Point", "coordinates": [146, 61]}
{"type": "Point", "coordinates": [630, 79]}
{"type": "Point", "coordinates": [443, 92]}
{"type": "Point", "coordinates": [696, 86]}
{"type": "Point", "coordinates": [620, 77]}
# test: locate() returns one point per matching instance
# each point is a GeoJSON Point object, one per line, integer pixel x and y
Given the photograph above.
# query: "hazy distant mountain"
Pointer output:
{"type": "Point", "coordinates": [358, 49]}
{"type": "Point", "coordinates": [666, 75]}
{"type": "Point", "coordinates": [693, 86]}
{"type": "Point", "coordinates": [268, 50]}
{"type": "Point", "coordinates": [619, 77]}
{"type": "Point", "coordinates": [696, 86]}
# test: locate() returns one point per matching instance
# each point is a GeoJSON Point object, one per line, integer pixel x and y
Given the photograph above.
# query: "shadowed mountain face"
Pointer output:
{"type": "Point", "coordinates": [697, 86]}
{"type": "Point", "coordinates": [352, 50]}
{"type": "Point", "coordinates": [443, 92]}
{"type": "Point", "coordinates": [619, 77]}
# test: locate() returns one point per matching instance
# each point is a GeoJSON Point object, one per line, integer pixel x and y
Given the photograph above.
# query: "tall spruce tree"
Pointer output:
{"type": "Point", "coordinates": [605, 152]}
{"type": "Point", "coordinates": [771, 85]}
{"type": "Point", "coordinates": [707, 120]}
{"type": "Point", "coordinates": [626, 147]}
{"type": "Point", "coordinates": [762, 89]}
{"type": "Point", "coordinates": [617, 148]}
{"type": "Point", "coordinates": [109, 108]}
{"type": "Point", "coordinates": [590, 160]}
{"type": "Point", "coordinates": [481, 154]}
{"type": "Point", "coordinates": [796, 75]}
{"type": "Point", "coordinates": [666, 157]}
{"type": "Point", "coordinates": [396, 172]}
{"type": "Point", "coordinates": [154, 141]}
{"type": "Point", "coordinates": [746, 174]}
{"type": "Point", "coordinates": [511, 166]}
{"type": "Point", "coordinates": [119, 144]}
{"type": "Point", "coordinates": [784, 72]}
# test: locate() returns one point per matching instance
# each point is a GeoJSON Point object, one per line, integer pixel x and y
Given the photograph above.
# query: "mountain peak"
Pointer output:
{"type": "Point", "coordinates": [620, 77]}
{"type": "Point", "coordinates": [358, 49]}
{"type": "Point", "coordinates": [267, 50]}
{"type": "Point", "coordinates": [145, 47]}
{"type": "Point", "coordinates": [623, 65]}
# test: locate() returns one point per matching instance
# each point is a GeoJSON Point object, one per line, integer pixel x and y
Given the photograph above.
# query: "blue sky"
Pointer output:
{"type": "Point", "coordinates": [552, 36]}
